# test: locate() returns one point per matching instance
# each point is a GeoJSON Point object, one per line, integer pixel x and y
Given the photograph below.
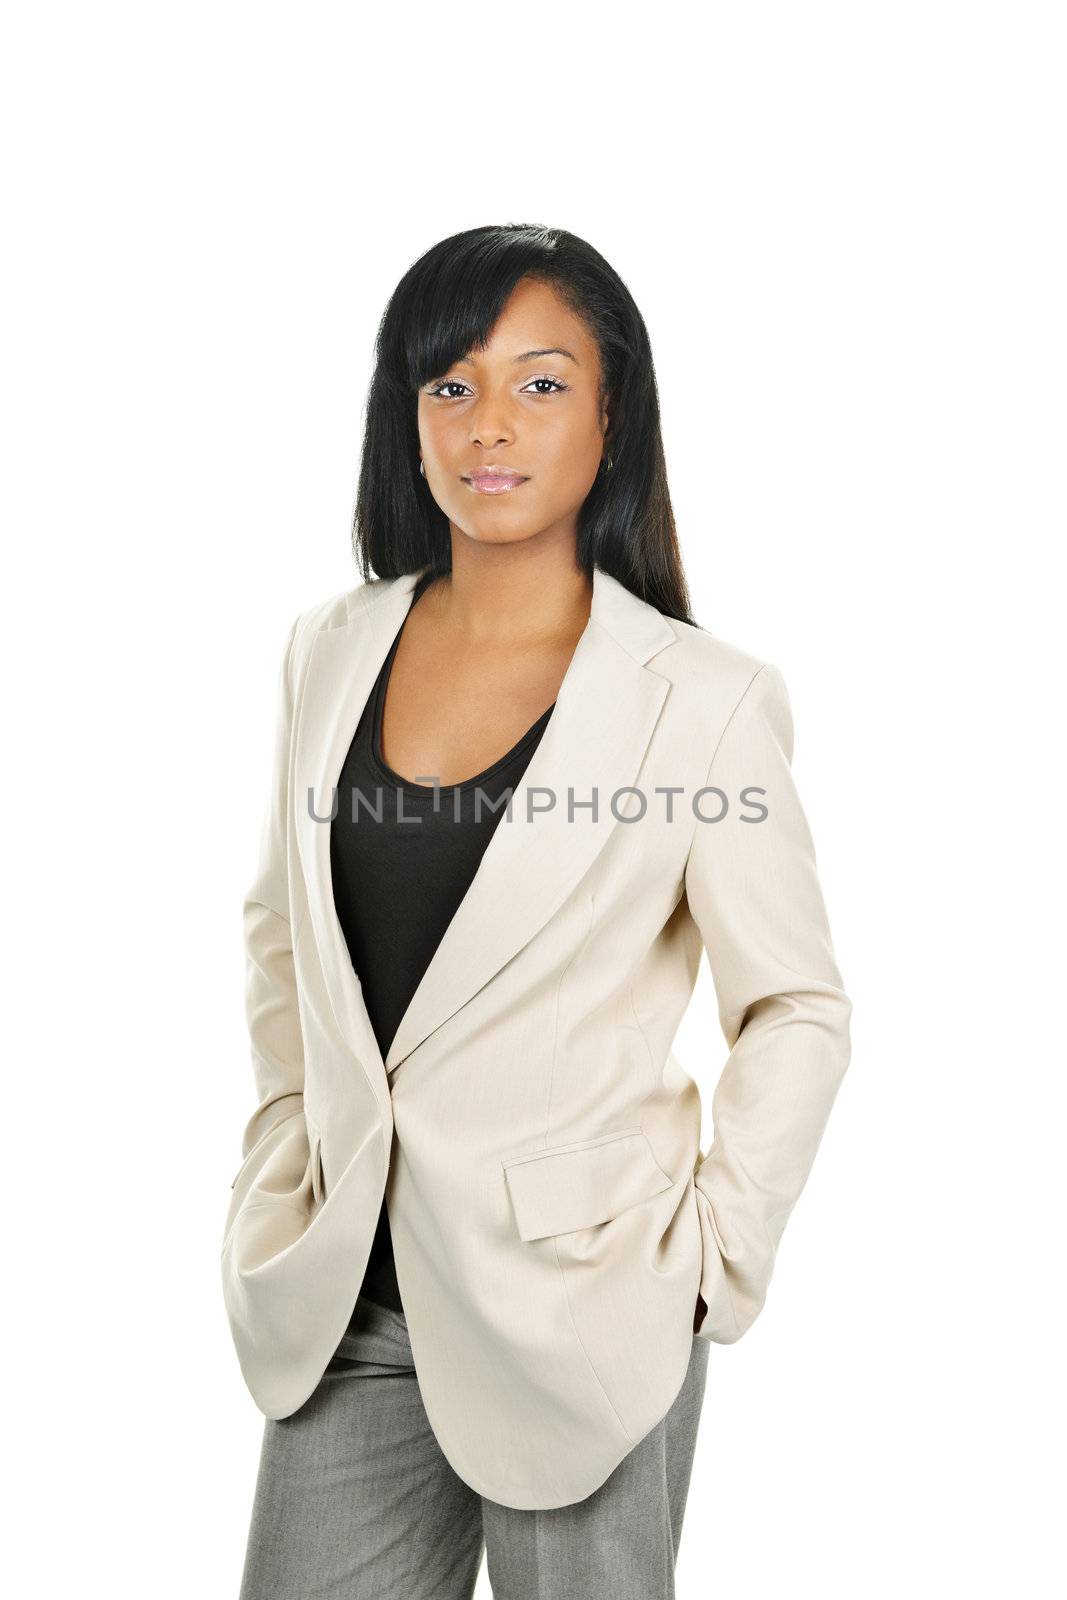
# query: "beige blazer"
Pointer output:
{"type": "Point", "coordinates": [553, 1216]}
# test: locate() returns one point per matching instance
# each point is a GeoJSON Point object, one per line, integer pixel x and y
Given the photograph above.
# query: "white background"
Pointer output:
{"type": "Point", "coordinates": [844, 225]}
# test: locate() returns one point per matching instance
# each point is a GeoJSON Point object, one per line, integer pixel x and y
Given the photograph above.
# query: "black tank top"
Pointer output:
{"type": "Point", "coordinates": [397, 883]}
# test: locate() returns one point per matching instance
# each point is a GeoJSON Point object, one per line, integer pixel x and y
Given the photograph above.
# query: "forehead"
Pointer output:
{"type": "Point", "coordinates": [537, 319]}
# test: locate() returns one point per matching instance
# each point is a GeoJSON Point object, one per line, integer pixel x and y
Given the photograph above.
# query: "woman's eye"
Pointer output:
{"type": "Point", "coordinates": [450, 383]}
{"type": "Point", "coordinates": [553, 381]}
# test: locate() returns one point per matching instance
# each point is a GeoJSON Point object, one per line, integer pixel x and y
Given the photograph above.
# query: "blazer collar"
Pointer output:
{"type": "Point", "coordinates": [633, 623]}
{"type": "Point", "coordinates": [607, 707]}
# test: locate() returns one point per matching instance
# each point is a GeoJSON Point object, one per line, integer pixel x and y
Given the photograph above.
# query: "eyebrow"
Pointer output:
{"type": "Point", "coordinates": [528, 355]}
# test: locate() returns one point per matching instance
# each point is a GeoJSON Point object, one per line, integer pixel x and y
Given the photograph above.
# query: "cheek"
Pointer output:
{"type": "Point", "coordinates": [573, 453]}
{"type": "Point", "coordinates": [434, 435]}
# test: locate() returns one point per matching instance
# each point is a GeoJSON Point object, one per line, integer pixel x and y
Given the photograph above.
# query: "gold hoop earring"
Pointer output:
{"type": "Point", "coordinates": [422, 469]}
{"type": "Point", "coordinates": [609, 465]}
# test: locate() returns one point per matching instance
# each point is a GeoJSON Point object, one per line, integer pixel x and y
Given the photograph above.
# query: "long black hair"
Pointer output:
{"type": "Point", "coordinates": [445, 306]}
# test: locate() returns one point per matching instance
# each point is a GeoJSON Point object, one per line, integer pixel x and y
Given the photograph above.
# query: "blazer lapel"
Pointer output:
{"type": "Point", "coordinates": [342, 669]}
{"type": "Point", "coordinates": [594, 741]}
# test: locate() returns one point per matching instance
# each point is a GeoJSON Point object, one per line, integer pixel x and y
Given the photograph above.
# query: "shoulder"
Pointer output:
{"type": "Point", "coordinates": [717, 685]}
{"type": "Point", "coordinates": [708, 663]}
{"type": "Point", "coordinates": [337, 610]}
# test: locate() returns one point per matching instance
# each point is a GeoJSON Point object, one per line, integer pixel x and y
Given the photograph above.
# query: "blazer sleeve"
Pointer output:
{"type": "Point", "coordinates": [271, 1004]}
{"type": "Point", "coordinates": [752, 889]}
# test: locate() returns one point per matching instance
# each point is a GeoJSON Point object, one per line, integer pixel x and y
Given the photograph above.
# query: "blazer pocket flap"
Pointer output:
{"type": "Point", "coordinates": [579, 1185]}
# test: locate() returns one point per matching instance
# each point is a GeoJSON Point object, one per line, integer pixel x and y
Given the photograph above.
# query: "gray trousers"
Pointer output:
{"type": "Point", "coordinates": [354, 1499]}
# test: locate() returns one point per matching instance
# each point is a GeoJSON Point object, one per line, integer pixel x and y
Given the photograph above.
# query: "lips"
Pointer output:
{"type": "Point", "coordinates": [494, 480]}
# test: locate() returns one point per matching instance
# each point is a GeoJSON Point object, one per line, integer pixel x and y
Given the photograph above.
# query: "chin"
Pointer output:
{"type": "Point", "coordinates": [491, 531]}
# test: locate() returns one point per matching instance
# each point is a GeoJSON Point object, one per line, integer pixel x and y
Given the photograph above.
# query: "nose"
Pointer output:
{"type": "Point", "coordinates": [490, 437]}
{"type": "Point", "coordinates": [488, 427]}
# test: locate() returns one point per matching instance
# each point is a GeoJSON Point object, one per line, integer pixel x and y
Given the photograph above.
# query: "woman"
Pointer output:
{"type": "Point", "coordinates": [474, 1259]}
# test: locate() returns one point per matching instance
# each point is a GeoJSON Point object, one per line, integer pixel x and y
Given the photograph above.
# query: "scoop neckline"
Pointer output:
{"type": "Point", "coordinates": [424, 790]}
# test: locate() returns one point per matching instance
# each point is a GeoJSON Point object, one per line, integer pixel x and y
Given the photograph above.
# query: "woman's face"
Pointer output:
{"type": "Point", "coordinates": [529, 404]}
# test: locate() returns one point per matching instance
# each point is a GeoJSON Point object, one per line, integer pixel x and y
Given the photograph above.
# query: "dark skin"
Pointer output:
{"type": "Point", "coordinates": [484, 651]}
